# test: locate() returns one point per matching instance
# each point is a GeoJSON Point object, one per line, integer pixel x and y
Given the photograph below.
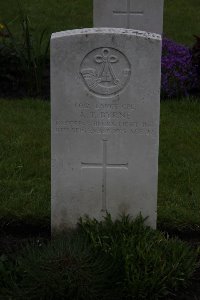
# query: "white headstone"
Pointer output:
{"type": "Point", "coordinates": [105, 124]}
{"type": "Point", "coordinates": [146, 15]}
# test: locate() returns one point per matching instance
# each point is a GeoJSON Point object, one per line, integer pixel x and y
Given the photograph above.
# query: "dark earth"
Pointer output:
{"type": "Point", "coordinates": [14, 236]}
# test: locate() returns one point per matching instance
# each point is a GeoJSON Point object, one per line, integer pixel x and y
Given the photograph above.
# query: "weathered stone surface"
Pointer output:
{"type": "Point", "coordinates": [146, 15]}
{"type": "Point", "coordinates": [105, 124]}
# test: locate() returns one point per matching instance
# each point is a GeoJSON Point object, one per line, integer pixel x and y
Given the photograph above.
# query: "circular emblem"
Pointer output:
{"type": "Point", "coordinates": [105, 71]}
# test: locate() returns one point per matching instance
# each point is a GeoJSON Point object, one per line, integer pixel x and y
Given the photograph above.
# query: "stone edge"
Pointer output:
{"type": "Point", "coordinates": [105, 30]}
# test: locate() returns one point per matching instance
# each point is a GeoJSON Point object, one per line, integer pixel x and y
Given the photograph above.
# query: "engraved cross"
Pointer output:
{"type": "Point", "coordinates": [104, 166]}
{"type": "Point", "coordinates": [128, 13]}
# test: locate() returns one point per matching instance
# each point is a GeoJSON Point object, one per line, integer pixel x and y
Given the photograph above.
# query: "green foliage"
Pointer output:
{"type": "Point", "coordinates": [53, 15]}
{"type": "Point", "coordinates": [179, 165]}
{"type": "Point", "coordinates": [152, 265]}
{"type": "Point", "coordinates": [67, 268]}
{"type": "Point", "coordinates": [196, 57]}
{"type": "Point", "coordinates": [5, 269]}
{"type": "Point", "coordinates": [100, 261]}
{"type": "Point", "coordinates": [30, 52]}
{"type": "Point", "coordinates": [181, 18]}
{"type": "Point", "coordinates": [28, 72]}
{"type": "Point", "coordinates": [11, 73]}
{"type": "Point", "coordinates": [25, 161]}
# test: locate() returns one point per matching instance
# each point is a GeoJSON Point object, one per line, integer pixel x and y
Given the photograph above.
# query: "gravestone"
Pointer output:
{"type": "Point", "coordinates": [145, 15]}
{"type": "Point", "coordinates": [105, 89]}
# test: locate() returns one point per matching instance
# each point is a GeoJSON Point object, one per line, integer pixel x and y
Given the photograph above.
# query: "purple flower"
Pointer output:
{"type": "Point", "coordinates": [179, 74]}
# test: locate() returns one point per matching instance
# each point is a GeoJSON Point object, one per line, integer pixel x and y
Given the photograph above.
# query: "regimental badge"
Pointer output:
{"type": "Point", "coordinates": [105, 71]}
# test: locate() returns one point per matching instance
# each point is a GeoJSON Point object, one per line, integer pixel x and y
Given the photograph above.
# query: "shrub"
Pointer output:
{"type": "Point", "coordinates": [67, 268]}
{"type": "Point", "coordinates": [28, 55]}
{"type": "Point", "coordinates": [11, 73]}
{"type": "Point", "coordinates": [179, 73]}
{"type": "Point", "coordinates": [25, 66]}
{"type": "Point", "coordinates": [152, 266]}
{"type": "Point", "coordinates": [196, 58]}
{"type": "Point", "coordinates": [106, 260]}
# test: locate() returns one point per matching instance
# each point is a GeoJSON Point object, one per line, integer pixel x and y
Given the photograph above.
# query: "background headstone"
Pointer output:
{"type": "Point", "coordinates": [145, 15]}
{"type": "Point", "coordinates": [105, 124]}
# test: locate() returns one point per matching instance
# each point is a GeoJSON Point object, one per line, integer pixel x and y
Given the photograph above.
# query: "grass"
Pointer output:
{"type": "Point", "coordinates": [24, 160]}
{"type": "Point", "coordinates": [25, 166]}
{"type": "Point", "coordinates": [53, 15]}
{"type": "Point", "coordinates": [25, 163]}
{"type": "Point", "coordinates": [181, 18]}
{"type": "Point", "coordinates": [102, 260]}
{"type": "Point", "coordinates": [179, 165]}
{"type": "Point", "coordinates": [25, 138]}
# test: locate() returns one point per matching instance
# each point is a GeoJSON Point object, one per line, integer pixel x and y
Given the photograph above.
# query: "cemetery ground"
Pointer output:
{"type": "Point", "coordinates": [181, 18]}
{"type": "Point", "coordinates": [25, 163]}
{"type": "Point", "coordinates": [25, 167]}
{"type": "Point", "coordinates": [25, 173]}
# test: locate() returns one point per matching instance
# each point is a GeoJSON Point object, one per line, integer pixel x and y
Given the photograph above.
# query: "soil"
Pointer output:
{"type": "Point", "coordinates": [15, 236]}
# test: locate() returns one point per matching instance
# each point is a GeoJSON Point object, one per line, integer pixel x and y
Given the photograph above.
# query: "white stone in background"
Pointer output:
{"type": "Point", "coordinates": [105, 101]}
{"type": "Point", "coordinates": [146, 15]}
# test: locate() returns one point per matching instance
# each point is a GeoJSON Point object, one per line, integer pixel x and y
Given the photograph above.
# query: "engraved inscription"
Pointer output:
{"type": "Point", "coordinates": [105, 71]}
{"type": "Point", "coordinates": [104, 166]}
{"type": "Point", "coordinates": [128, 13]}
{"type": "Point", "coordinates": [107, 119]}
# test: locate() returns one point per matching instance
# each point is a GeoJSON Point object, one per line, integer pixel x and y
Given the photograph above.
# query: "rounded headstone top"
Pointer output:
{"type": "Point", "coordinates": [105, 30]}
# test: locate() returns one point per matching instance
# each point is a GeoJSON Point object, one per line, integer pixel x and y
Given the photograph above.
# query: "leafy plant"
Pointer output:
{"type": "Point", "coordinates": [104, 260]}
{"type": "Point", "coordinates": [67, 268]}
{"type": "Point", "coordinates": [30, 51]}
{"type": "Point", "coordinates": [3, 31]}
{"type": "Point", "coordinates": [196, 58]}
{"type": "Point", "coordinates": [152, 265]}
{"type": "Point", "coordinates": [179, 74]}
